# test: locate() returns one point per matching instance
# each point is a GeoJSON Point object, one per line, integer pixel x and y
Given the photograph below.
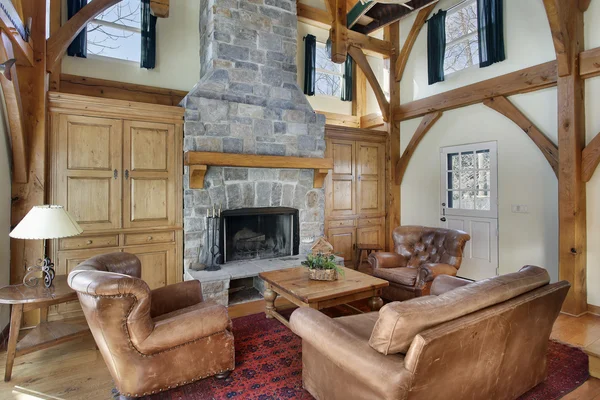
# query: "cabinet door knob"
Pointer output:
{"type": "Point", "coordinates": [149, 237]}
{"type": "Point", "coordinates": [89, 242]}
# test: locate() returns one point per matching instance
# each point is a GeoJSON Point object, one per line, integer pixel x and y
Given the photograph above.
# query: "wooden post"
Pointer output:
{"type": "Point", "coordinates": [571, 141]}
{"type": "Point", "coordinates": [392, 33]}
{"type": "Point", "coordinates": [33, 84]}
{"type": "Point", "coordinates": [55, 23]}
{"type": "Point", "coordinates": [338, 33]}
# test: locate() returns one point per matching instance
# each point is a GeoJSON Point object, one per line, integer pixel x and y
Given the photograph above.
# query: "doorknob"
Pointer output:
{"type": "Point", "coordinates": [443, 219]}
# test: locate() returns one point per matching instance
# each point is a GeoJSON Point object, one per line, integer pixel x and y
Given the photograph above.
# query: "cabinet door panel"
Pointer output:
{"type": "Point", "coordinates": [88, 157]}
{"type": "Point", "coordinates": [370, 235]}
{"type": "Point", "coordinates": [149, 183]}
{"type": "Point", "coordinates": [343, 241]}
{"type": "Point", "coordinates": [158, 264]}
{"type": "Point", "coordinates": [370, 188]}
{"type": "Point", "coordinates": [341, 181]}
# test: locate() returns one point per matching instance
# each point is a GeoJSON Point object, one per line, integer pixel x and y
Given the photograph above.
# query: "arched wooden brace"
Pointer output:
{"type": "Point", "coordinates": [424, 127]}
{"type": "Point", "coordinates": [14, 108]}
{"type": "Point", "coordinates": [57, 44]}
{"type": "Point", "coordinates": [362, 62]}
{"type": "Point", "coordinates": [590, 158]}
{"type": "Point", "coordinates": [502, 105]}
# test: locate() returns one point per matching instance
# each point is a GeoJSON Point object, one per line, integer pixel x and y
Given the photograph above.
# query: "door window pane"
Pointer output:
{"type": "Point", "coordinates": [454, 199]}
{"type": "Point", "coordinates": [453, 161]}
{"type": "Point", "coordinates": [468, 180]}
{"type": "Point", "coordinates": [467, 200]}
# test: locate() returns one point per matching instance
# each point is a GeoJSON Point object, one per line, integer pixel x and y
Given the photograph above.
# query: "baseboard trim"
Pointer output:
{"type": "Point", "coordinates": [592, 309]}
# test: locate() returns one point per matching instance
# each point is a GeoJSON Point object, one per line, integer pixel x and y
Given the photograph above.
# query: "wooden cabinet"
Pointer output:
{"type": "Point", "coordinates": [355, 189]}
{"type": "Point", "coordinates": [116, 166]}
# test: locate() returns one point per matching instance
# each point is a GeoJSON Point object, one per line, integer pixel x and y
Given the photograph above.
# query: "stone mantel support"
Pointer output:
{"type": "Point", "coordinates": [199, 161]}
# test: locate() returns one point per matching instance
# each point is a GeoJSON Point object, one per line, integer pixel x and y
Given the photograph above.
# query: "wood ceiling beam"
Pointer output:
{"type": "Point", "coordinates": [523, 81]}
{"type": "Point", "coordinates": [426, 124]}
{"type": "Point", "coordinates": [363, 64]}
{"type": "Point", "coordinates": [503, 106]}
{"type": "Point", "coordinates": [590, 158]}
{"type": "Point", "coordinates": [339, 33]}
{"type": "Point", "coordinates": [321, 19]}
{"type": "Point", "coordinates": [23, 51]}
{"type": "Point", "coordinates": [14, 108]}
{"type": "Point", "coordinates": [57, 44]}
{"type": "Point", "coordinates": [410, 40]}
{"type": "Point", "coordinates": [560, 35]}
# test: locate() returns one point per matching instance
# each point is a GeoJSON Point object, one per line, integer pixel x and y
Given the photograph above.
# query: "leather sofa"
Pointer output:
{"type": "Point", "coordinates": [480, 340]}
{"type": "Point", "coordinates": [151, 340]}
{"type": "Point", "coordinates": [420, 254]}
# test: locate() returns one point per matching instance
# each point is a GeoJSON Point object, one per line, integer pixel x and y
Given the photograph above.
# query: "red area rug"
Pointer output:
{"type": "Point", "coordinates": [268, 358]}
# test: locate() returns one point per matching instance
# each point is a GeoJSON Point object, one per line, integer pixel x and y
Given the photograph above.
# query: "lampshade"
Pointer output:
{"type": "Point", "coordinates": [46, 222]}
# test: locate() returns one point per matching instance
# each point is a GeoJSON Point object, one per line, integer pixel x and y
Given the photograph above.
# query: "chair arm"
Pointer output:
{"type": "Point", "coordinates": [386, 260]}
{"type": "Point", "coordinates": [446, 283]}
{"type": "Point", "coordinates": [175, 297]}
{"type": "Point", "coordinates": [184, 328]}
{"type": "Point", "coordinates": [347, 351]}
{"type": "Point", "coordinates": [428, 272]}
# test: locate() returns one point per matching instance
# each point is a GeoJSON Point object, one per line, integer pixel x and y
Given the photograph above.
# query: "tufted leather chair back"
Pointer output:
{"type": "Point", "coordinates": [423, 245]}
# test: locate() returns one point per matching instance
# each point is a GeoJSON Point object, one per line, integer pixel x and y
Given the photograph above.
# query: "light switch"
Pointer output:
{"type": "Point", "coordinates": [519, 209]}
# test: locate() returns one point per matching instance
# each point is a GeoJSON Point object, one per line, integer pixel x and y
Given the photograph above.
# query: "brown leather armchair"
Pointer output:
{"type": "Point", "coordinates": [151, 340]}
{"type": "Point", "coordinates": [421, 254]}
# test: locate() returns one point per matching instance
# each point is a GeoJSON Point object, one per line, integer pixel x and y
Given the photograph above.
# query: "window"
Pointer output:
{"type": "Point", "coordinates": [462, 46]}
{"type": "Point", "coordinates": [469, 180]}
{"type": "Point", "coordinates": [328, 75]}
{"type": "Point", "coordinates": [116, 32]}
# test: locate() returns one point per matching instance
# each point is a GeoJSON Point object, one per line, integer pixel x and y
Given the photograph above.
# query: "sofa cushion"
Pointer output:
{"type": "Point", "coordinates": [399, 323]}
{"type": "Point", "coordinates": [360, 324]}
{"type": "Point", "coordinates": [403, 276]}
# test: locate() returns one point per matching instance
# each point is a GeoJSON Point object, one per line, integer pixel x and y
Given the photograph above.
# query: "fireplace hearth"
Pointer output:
{"type": "Point", "coordinates": [259, 233]}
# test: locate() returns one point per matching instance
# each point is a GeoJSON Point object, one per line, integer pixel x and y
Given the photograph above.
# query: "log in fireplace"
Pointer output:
{"type": "Point", "coordinates": [259, 233]}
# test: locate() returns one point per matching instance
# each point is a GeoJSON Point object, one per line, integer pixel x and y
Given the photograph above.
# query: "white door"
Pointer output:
{"type": "Point", "coordinates": [469, 202]}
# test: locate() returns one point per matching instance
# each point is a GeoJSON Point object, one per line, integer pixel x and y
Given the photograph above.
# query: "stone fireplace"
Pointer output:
{"type": "Point", "coordinates": [248, 102]}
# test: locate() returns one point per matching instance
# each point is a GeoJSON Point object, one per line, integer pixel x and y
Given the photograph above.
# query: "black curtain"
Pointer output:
{"type": "Point", "coordinates": [78, 47]}
{"type": "Point", "coordinates": [347, 81]}
{"type": "Point", "coordinates": [490, 24]}
{"type": "Point", "coordinates": [148, 59]}
{"type": "Point", "coordinates": [436, 46]}
{"type": "Point", "coordinates": [310, 58]}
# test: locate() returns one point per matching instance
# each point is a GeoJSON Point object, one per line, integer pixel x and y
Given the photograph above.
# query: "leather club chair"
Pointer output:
{"type": "Point", "coordinates": [151, 340]}
{"type": "Point", "coordinates": [421, 254]}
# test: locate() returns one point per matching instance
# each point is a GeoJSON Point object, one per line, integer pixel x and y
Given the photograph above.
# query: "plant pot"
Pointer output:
{"type": "Point", "coordinates": [322, 274]}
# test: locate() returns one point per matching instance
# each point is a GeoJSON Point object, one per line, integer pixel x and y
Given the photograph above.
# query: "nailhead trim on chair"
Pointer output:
{"type": "Point", "coordinates": [124, 325]}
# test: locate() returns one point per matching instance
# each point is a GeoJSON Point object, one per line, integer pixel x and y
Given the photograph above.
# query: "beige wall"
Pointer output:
{"type": "Point", "coordinates": [524, 176]}
{"type": "Point", "coordinates": [177, 54]}
{"type": "Point", "coordinates": [5, 179]}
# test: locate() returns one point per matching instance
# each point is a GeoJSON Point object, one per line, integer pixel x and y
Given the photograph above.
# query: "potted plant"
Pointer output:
{"type": "Point", "coordinates": [322, 267]}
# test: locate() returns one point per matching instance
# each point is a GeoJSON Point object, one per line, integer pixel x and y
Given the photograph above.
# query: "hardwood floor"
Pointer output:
{"type": "Point", "coordinates": [75, 370]}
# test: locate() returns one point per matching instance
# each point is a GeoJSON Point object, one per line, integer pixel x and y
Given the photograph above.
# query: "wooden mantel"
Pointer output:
{"type": "Point", "coordinates": [199, 161]}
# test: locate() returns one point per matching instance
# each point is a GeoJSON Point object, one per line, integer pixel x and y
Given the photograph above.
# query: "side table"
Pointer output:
{"type": "Point", "coordinates": [47, 334]}
{"type": "Point", "coordinates": [361, 248]}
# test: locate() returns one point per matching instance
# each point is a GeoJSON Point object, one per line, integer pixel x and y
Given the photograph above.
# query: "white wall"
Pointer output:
{"type": "Point", "coordinates": [5, 184]}
{"type": "Point", "coordinates": [319, 103]}
{"type": "Point", "coordinates": [524, 175]}
{"type": "Point", "coordinates": [177, 54]}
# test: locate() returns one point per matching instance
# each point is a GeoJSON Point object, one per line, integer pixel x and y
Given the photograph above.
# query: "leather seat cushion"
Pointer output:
{"type": "Point", "coordinates": [360, 325]}
{"type": "Point", "coordinates": [199, 306]}
{"type": "Point", "coordinates": [403, 276]}
{"type": "Point", "coordinates": [400, 322]}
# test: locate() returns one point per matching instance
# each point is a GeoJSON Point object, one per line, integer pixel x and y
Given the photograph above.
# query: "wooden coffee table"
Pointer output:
{"type": "Point", "coordinates": [294, 285]}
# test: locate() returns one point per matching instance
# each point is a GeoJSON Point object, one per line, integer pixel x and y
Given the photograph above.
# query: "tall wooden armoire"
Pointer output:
{"type": "Point", "coordinates": [116, 166]}
{"type": "Point", "coordinates": [355, 189]}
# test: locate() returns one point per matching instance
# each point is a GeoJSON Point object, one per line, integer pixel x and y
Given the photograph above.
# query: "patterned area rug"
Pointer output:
{"type": "Point", "coordinates": [268, 359]}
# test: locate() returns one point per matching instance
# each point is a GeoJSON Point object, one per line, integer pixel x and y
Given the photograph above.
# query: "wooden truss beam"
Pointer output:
{"type": "Point", "coordinates": [426, 123]}
{"type": "Point", "coordinates": [363, 64]}
{"type": "Point", "coordinates": [320, 18]}
{"type": "Point", "coordinates": [584, 5]}
{"type": "Point", "coordinates": [589, 63]}
{"type": "Point", "coordinates": [590, 158]}
{"type": "Point", "coordinates": [372, 120]}
{"type": "Point", "coordinates": [526, 80]}
{"type": "Point", "coordinates": [410, 40]}
{"type": "Point", "coordinates": [11, 23]}
{"type": "Point", "coordinates": [560, 35]}
{"type": "Point", "coordinates": [160, 8]}
{"type": "Point", "coordinates": [14, 108]}
{"type": "Point", "coordinates": [547, 147]}
{"type": "Point", "coordinates": [339, 33]}
{"type": "Point", "coordinates": [58, 43]}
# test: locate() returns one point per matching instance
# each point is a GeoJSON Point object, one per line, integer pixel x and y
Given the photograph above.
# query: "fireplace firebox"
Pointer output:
{"type": "Point", "coordinates": [259, 233]}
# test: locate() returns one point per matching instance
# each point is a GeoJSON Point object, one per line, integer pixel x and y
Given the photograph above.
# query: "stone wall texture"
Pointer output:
{"type": "Point", "coordinates": [247, 102]}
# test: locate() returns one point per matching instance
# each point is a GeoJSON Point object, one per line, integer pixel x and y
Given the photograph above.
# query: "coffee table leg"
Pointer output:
{"type": "Point", "coordinates": [375, 303]}
{"type": "Point", "coordinates": [11, 349]}
{"type": "Point", "coordinates": [270, 297]}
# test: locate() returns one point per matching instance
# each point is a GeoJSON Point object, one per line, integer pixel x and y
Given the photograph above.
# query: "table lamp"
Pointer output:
{"type": "Point", "coordinates": [42, 223]}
